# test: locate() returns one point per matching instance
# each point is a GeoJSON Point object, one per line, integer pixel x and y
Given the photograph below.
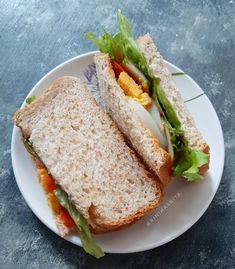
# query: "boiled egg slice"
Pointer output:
{"type": "Point", "coordinates": [149, 122]}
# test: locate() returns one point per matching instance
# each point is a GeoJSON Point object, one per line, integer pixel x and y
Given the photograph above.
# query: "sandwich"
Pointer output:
{"type": "Point", "coordinates": [141, 97]}
{"type": "Point", "coordinates": [93, 181]}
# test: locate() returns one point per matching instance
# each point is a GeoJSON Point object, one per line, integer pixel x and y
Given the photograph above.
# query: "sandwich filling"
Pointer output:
{"type": "Point", "coordinates": [147, 97]}
{"type": "Point", "coordinates": [58, 200]}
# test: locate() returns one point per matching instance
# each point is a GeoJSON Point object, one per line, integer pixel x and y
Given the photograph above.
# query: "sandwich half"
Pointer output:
{"type": "Point", "coordinates": [142, 98]}
{"type": "Point", "coordinates": [92, 179]}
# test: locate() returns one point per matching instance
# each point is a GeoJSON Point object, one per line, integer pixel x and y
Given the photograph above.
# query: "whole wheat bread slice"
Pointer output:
{"type": "Point", "coordinates": [141, 138]}
{"type": "Point", "coordinates": [159, 69]}
{"type": "Point", "coordinates": [85, 152]}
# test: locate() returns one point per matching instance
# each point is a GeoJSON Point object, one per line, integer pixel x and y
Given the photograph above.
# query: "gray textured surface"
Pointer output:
{"type": "Point", "coordinates": [35, 36]}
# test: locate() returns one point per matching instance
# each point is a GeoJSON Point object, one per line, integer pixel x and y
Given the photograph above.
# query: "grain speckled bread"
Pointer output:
{"type": "Point", "coordinates": [140, 137]}
{"type": "Point", "coordinates": [159, 69]}
{"type": "Point", "coordinates": [85, 152]}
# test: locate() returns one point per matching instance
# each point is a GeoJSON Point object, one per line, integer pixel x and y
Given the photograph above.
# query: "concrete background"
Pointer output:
{"type": "Point", "coordinates": [36, 36]}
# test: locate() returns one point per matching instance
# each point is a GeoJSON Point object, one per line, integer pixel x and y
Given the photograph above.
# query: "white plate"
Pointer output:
{"type": "Point", "coordinates": [184, 203]}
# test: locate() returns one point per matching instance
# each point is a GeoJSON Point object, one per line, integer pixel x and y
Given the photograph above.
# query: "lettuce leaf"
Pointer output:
{"type": "Point", "coordinates": [128, 46]}
{"type": "Point", "coordinates": [123, 23]}
{"type": "Point", "coordinates": [169, 110]}
{"type": "Point", "coordinates": [178, 74]}
{"type": "Point", "coordinates": [105, 43]}
{"type": "Point", "coordinates": [30, 99]}
{"type": "Point", "coordinates": [88, 243]}
{"type": "Point", "coordinates": [121, 42]}
{"type": "Point", "coordinates": [189, 162]}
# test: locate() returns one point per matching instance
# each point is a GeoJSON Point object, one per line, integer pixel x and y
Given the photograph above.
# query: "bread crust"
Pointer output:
{"type": "Point", "coordinates": [36, 105]}
{"type": "Point", "coordinates": [28, 115]}
{"type": "Point", "coordinates": [114, 226]}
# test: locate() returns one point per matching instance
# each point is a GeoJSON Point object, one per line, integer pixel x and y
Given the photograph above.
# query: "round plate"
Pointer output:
{"type": "Point", "coordinates": [184, 203]}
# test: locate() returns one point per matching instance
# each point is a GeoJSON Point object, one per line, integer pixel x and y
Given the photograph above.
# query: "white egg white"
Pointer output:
{"type": "Point", "coordinates": [153, 110]}
{"type": "Point", "coordinates": [149, 122]}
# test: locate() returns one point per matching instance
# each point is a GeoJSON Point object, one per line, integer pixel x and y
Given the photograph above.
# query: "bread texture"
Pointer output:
{"type": "Point", "coordinates": [159, 69]}
{"type": "Point", "coordinates": [87, 156]}
{"type": "Point", "coordinates": [140, 137]}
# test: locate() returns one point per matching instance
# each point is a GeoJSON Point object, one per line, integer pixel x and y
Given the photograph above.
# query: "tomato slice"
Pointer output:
{"type": "Point", "coordinates": [54, 203]}
{"type": "Point", "coordinates": [117, 68]}
{"type": "Point", "coordinates": [46, 180]}
{"type": "Point", "coordinates": [65, 218]}
{"type": "Point", "coordinates": [48, 184]}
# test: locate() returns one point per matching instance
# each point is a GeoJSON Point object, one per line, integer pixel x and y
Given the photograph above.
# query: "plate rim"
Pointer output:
{"type": "Point", "coordinates": [133, 249]}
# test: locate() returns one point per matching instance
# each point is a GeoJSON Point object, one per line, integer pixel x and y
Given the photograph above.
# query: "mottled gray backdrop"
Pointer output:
{"type": "Point", "coordinates": [36, 36]}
